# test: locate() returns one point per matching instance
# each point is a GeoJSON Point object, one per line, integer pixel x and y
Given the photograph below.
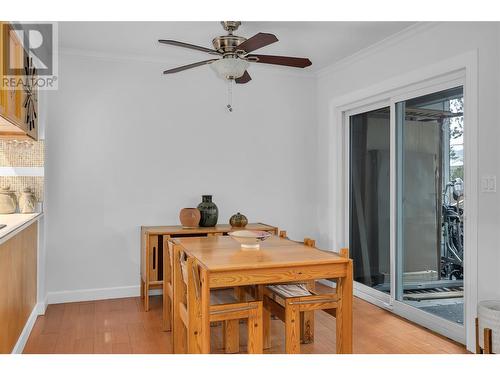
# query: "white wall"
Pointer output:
{"type": "Point", "coordinates": [127, 147]}
{"type": "Point", "coordinates": [400, 56]}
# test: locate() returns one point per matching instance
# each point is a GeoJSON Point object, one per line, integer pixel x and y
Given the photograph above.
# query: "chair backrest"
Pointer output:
{"type": "Point", "coordinates": [309, 242]}
{"type": "Point", "coordinates": [179, 272]}
{"type": "Point", "coordinates": [190, 275]}
{"type": "Point", "coordinates": [183, 258]}
{"type": "Point", "coordinates": [344, 252]}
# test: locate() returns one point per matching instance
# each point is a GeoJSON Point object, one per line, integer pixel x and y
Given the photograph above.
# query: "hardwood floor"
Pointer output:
{"type": "Point", "coordinates": [121, 326]}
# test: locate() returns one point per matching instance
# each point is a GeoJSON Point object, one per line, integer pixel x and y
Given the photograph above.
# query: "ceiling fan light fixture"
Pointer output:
{"type": "Point", "coordinates": [230, 67]}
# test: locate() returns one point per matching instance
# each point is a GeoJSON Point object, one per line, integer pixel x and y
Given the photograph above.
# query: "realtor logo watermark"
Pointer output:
{"type": "Point", "coordinates": [30, 56]}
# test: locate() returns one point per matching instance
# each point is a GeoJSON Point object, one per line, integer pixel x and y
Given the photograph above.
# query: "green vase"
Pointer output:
{"type": "Point", "coordinates": [238, 221]}
{"type": "Point", "coordinates": [209, 212]}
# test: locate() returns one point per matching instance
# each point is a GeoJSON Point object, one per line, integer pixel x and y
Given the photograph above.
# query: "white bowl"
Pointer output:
{"type": "Point", "coordinates": [249, 239]}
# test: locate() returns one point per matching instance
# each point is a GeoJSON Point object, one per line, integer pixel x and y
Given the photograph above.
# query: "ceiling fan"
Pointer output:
{"type": "Point", "coordinates": [234, 54]}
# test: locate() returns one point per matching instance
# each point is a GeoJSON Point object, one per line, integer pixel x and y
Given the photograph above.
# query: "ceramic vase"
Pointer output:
{"type": "Point", "coordinates": [238, 221]}
{"type": "Point", "coordinates": [209, 212]}
{"type": "Point", "coordinates": [190, 217]}
{"type": "Point", "coordinates": [27, 201]}
{"type": "Point", "coordinates": [8, 201]}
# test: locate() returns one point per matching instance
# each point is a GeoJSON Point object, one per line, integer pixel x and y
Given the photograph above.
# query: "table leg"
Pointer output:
{"type": "Point", "coordinates": [167, 311]}
{"type": "Point", "coordinates": [255, 330]}
{"type": "Point", "coordinates": [292, 329]}
{"type": "Point", "coordinates": [146, 296]}
{"type": "Point", "coordinates": [266, 318]}
{"type": "Point", "coordinates": [145, 285]}
{"type": "Point", "coordinates": [307, 321]}
{"type": "Point", "coordinates": [344, 312]}
{"type": "Point", "coordinates": [266, 327]}
{"type": "Point", "coordinates": [205, 312]}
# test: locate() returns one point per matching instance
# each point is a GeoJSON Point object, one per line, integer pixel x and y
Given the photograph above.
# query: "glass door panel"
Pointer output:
{"type": "Point", "coordinates": [429, 186]}
{"type": "Point", "coordinates": [369, 227]}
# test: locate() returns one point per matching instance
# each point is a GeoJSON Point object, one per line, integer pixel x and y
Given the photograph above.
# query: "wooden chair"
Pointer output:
{"type": "Point", "coordinates": [224, 307]}
{"type": "Point", "coordinates": [295, 304]}
{"type": "Point", "coordinates": [230, 333]}
{"type": "Point", "coordinates": [168, 286]}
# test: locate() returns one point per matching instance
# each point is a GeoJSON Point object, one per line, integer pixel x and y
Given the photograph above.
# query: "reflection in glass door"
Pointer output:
{"type": "Point", "coordinates": [369, 198]}
{"type": "Point", "coordinates": [429, 195]}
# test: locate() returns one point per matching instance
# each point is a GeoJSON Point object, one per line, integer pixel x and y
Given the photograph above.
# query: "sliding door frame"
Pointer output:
{"type": "Point", "coordinates": [458, 71]}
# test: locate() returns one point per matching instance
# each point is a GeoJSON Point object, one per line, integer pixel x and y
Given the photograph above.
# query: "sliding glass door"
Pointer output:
{"type": "Point", "coordinates": [430, 248]}
{"type": "Point", "coordinates": [406, 205]}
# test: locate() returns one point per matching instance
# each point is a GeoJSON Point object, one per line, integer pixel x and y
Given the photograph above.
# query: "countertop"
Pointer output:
{"type": "Point", "coordinates": [14, 223]}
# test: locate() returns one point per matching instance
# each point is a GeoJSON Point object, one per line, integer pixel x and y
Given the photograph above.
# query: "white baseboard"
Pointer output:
{"type": "Point", "coordinates": [25, 334]}
{"type": "Point", "coordinates": [156, 292]}
{"type": "Point", "coordinates": [81, 295]}
{"type": "Point", "coordinates": [42, 306]}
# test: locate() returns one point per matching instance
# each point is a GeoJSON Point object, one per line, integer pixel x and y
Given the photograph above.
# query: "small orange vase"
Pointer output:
{"type": "Point", "coordinates": [190, 217]}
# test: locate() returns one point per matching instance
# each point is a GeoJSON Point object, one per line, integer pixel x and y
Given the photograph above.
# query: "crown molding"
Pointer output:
{"type": "Point", "coordinates": [109, 56]}
{"type": "Point", "coordinates": [402, 35]}
{"type": "Point", "coordinates": [341, 64]}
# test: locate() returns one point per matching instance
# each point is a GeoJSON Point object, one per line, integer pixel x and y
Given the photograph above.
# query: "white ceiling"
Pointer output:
{"type": "Point", "coordinates": [323, 42]}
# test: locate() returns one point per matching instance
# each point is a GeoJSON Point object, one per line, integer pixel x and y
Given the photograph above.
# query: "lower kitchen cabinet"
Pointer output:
{"type": "Point", "coordinates": [18, 284]}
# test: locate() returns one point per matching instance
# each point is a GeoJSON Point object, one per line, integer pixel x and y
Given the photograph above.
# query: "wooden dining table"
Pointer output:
{"type": "Point", "coordinates": [224, 264]}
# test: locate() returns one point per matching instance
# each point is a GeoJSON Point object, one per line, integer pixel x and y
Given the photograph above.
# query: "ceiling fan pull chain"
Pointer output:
{"type": "Point", "coordinates": [230, 95]}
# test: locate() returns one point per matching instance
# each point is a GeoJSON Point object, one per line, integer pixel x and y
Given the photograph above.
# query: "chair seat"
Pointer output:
{"type": "Point", "coordinates": [290, 290]}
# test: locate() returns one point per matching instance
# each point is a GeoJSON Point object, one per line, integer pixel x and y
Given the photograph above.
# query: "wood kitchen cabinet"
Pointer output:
{"type": "Point", "coordinates": [3, 96]}
{"type": "Point", "coordinates": [153, 241]}
{"type": "Point", "coordinates": [12, 101]}
{"type": "Point", "coordinates": [18, 283]}
{"type": "Point", "coordinates": [14, 95]}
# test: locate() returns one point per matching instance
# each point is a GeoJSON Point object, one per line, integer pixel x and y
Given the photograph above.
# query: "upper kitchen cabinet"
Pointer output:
{"type": "Point", "coordinates": [16, 120]}
{"type": "Point", "coordinates": [3, 93]}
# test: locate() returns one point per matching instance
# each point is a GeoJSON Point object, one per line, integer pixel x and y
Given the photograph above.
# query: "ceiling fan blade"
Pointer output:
{"type": "Point", "coordinates": [297, 62]}
{"type": "Point", "coordinates": [187, 45]}
{"type": "Point", "coordinates": [244, 78]}
{"type": "Point", "coordinates": [257, 41]}
{"type": "Point", "coordinates": [185, 67]}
